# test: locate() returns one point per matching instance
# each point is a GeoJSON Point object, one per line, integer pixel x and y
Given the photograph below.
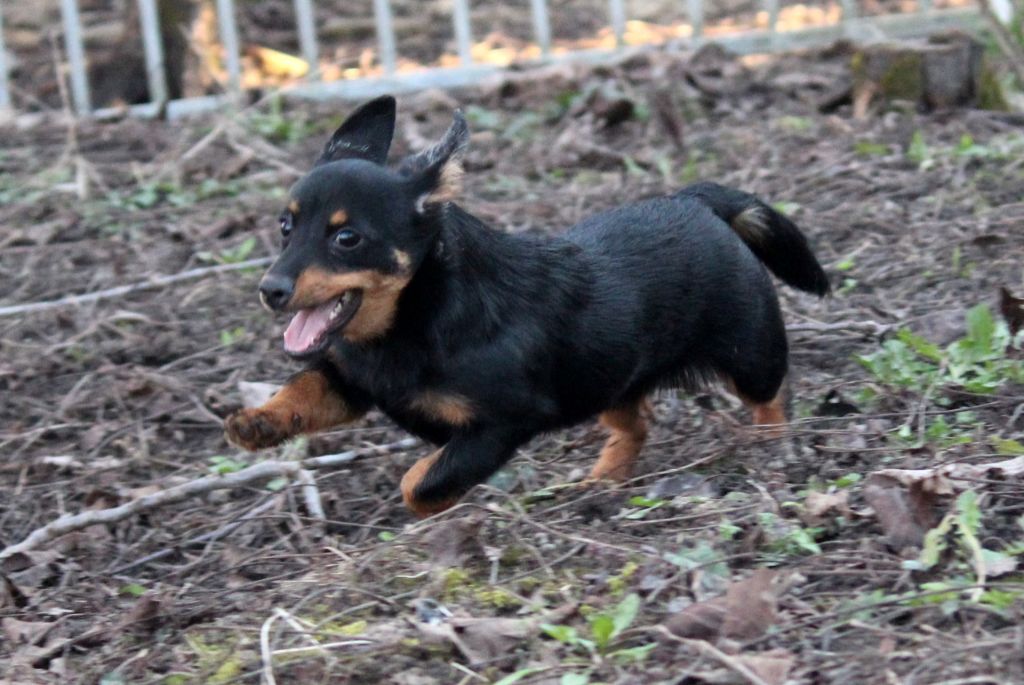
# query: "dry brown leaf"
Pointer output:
{"type": "Point", "coordinates": [745, 611]}
{"type": "Point", "coordinates": [25, 572]}
{"type": "Point", "coordinates": [452, 540]}
{"type": "Point", "coordinates": [26, 632]}
{"type": "Point", "coordinates": [144, 615]}
{"type": "Point", "coordinates": [772, 667]}
{"type": "Point", "coordinates": [905, 500]}
{"type": "Point", "coordinates": [821, 506]}
{"type": "Point", "coordinates": [482, 639]}
{"type": "Point", "coordinates": [701, 621]}
{"type": "Point", "coordinates": [22, 561]}
{"type": "Point", "coordinates": [942, 480]}
{"type": "Point", "coordinates": [906, 511]}
{"type": "Point", "coordinates": [929, 481]}
{"type": "Point", "coordinates": [1008, 468]}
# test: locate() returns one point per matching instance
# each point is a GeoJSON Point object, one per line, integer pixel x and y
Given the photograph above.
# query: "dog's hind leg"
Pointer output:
{"type": "Point", "coordinates": [436, 482]}
{"type": "Point", "coordinates": [770, 413]}
{"type": "Point", "coordinates": [310, 401]}
{"type": "Point", "coordinates": [628, 431]}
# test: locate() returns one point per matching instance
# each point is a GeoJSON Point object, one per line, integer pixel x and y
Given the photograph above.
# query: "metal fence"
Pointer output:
{"type": "Point", "coordinates": [924, 18]}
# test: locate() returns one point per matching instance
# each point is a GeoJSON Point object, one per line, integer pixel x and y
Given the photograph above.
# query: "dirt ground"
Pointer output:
{"type": "Point", "coordinates": [917, 218]}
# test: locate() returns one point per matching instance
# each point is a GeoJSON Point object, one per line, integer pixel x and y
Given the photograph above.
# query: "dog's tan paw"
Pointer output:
{"type": "Point", "coordinates": [256, 429]}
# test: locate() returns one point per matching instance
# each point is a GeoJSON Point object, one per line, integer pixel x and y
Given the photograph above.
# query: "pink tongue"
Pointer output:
{"type": "Point", "coordinates": [306, 327]}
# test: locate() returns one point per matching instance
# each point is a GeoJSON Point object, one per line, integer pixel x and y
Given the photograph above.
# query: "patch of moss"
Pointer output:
{"type": "Point", "coordinates": [456, 581]}
{"type": "Point", "coordinates": [903, 78]}
{"type": "Point", "coordinates": [347, 629]}
{"type": "Point", "coordinates": [511, 556]}
{"type": "Point", "coordinates": [497, 598]}
{"type": "Point", "coordinates": [529, 584]}
{"type": "Point", "coordinates": [990, 91]}
{"type": "Point", "coordinates": [617, 583]}
{"type": "Point", "coordinates": [224, 661]}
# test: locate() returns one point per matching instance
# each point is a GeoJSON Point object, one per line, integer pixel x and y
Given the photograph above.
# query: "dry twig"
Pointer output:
{"type": "Point", "coordinates": [154, 282]}
{"type": "Point", "coordinates": [710, 650]}
{"type": "Point", "coordinates": [262, 471]}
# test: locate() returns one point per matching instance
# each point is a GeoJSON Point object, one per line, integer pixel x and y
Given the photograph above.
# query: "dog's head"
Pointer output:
{"type": "Point", "coordinates": [354, 231]}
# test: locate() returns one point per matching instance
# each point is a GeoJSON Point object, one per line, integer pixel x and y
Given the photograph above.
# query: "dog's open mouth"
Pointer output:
{"type": "Point", "coordinates": [310, 328]}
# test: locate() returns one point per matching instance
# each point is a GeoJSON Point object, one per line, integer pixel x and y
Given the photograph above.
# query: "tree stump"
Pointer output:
{"type": "Point", "coordinates": [947, 70]}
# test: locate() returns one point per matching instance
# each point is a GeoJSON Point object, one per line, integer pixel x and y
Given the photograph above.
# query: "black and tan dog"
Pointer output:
{"type": "Point", "coordinates": [478, 340]}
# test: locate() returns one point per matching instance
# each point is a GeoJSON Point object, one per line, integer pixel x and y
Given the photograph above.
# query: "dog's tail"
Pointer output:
{"type": "Point", "coordinates": [769, 234]}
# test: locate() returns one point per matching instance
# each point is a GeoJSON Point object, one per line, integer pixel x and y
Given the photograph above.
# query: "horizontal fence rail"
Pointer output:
{"type": "Point", "coordinates": [852, 25]}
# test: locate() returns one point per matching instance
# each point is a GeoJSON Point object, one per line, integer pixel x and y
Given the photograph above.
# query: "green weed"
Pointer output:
{"type": "Point", "coordinates": [976, 363]}
{"type": "Point", "coordinates": [603, 629]}
{"type": "Point", "coordinates": [276, 126]}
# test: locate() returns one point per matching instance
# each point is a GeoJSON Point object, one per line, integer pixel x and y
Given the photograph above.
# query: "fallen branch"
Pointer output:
{"type": "Point", "coordinates": [212, 536]}
{"type": "Point", "coordinates": [868, 327]}
{"type": "Point", "coordinates": [709, 649]}
{"type": "Point", "coordinates": [154, 282]}
{"type": "Point", "coordinates": [262, 471]}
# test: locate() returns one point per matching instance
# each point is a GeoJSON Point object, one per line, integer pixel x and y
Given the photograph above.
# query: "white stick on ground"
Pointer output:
{"type": "Point", "coordinates": [154, 282]}
{"type": "Point", "coordinates": [262, 471]}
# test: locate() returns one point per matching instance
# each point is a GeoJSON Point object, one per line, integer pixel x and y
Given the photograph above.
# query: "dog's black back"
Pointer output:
{"type": "Point", "coordinates": [541, 333]}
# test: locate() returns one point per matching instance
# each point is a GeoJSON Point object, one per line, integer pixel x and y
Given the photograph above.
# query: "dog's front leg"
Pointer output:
{"type": "Point", "coordinates": [311, 401]}
{"type": "Point", "coordinates": [436, 482]}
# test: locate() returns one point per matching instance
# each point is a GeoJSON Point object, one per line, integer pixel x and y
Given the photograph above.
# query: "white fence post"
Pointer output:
{"type": "Point", "coordinates": [76, 56]}
{"type": "Point", "coordinates": [617, 10]}
{"type": "Point", "coordinates": [385, 35]}
{"type": "Point", "coordinates": [154, 51]}
{"type": "Point", "coordinates": [5, 93]}
{"type": "Point", "coordinates": [229, 37]}
{"type": "Point", "coordinates": [695, 12]}
{"type": "Point", "coordinates": [772, 7]}
{"type": "Point", "coordinates": [305, 21]}
{"type": "Point", "coordinates": [463, 31]}
{"type": "Point", "coordinates": [919, 21]}
{"type": "Point", "coordinates": [541, 25]}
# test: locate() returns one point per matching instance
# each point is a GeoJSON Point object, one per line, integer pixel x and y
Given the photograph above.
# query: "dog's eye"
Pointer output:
{"type": "Point", "coordinates": [347, 239]}
{"type": "Point", "coordinates": [286, 225]}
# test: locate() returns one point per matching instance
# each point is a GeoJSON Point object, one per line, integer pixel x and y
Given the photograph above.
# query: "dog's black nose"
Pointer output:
{"type": "Point", "coordinates": [276, 290]}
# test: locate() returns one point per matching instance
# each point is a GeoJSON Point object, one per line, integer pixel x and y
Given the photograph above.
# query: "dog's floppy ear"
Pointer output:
{"type": "Point", "coordinates": [365, 134]}
{"type": "Point", "coordinates": [435, 174]}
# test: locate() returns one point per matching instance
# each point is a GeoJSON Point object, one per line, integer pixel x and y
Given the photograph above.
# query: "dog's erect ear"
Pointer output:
{"type": "Point", "coordinates": [365, 134]}
{"type": "Point", "coordinates": [435, 174]}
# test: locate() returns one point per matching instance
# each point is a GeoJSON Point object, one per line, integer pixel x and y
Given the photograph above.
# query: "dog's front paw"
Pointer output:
{"type": "Point", "coordinates": [256, 429]}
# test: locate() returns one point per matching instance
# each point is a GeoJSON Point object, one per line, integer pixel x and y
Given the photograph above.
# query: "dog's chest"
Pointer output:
{"type": "Point", "coordinates": [396, 384]}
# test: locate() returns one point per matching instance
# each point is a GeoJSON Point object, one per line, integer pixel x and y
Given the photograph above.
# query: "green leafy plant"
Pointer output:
{"type": "Point", "coordinates": [230, 255]}
{"type": "Point", "coordinates": [222, 465]}
{"type": "Point", "coordinates": [918, 151]}
{"type": "Point", "coordinates": [278, 127]}
{"type": "Point", "coordinates": [866, 148]}
{"type": "Point", "coordinates": [977, 363]}
{"type": "Point", "coordinates": [604, 628]}
{"type": "Point", "coordinates": [643, 506]}
{"type": "Point", "coordinates": [152, 194]}
{"type": "Point", "coordinates": [962, 527]}
{"type": "Point", "coordinates": [231, 336]}
{"type": "Point", "coordinates": [786, 538]}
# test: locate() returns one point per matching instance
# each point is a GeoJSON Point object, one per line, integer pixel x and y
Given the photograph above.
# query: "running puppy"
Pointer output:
{"type": "Point", "coordinates": [477, 340]}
